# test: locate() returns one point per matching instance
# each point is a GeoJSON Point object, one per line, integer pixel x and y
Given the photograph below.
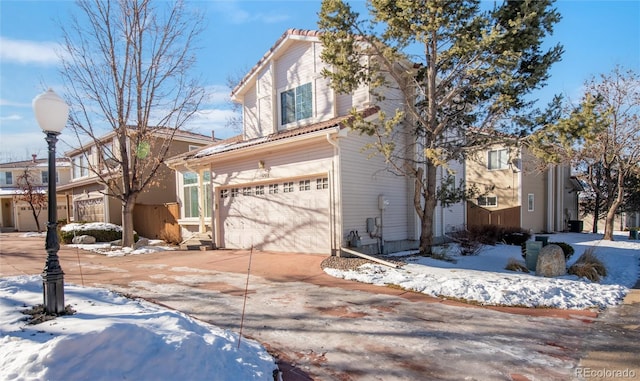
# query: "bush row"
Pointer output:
{"type": "Point", "coordinates": [100, 235]}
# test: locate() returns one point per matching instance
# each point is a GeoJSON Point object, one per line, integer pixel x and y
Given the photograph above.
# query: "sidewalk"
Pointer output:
{"type": "Point", "coordinates": [618, 359]}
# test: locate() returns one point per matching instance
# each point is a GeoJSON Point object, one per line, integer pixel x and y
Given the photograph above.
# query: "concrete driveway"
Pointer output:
{"type": "Point", "coordinates": [323, 328]}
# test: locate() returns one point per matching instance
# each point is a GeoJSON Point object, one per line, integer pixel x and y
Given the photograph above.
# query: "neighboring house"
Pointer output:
{"type": "Point", "coordinates": [17, 215]}
{"type": "Point", "coordinates": [296, 180]}
{"type": "Point", "coordinates": [88, 196]}
{"type": "Point", "coordinates": [515, 193]}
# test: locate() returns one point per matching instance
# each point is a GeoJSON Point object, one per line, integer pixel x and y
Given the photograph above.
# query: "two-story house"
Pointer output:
{"type": "Point", "coordinates": [296, 179]}
{"type": "Point", "coordinates": [89, 196]}
{"type": "Point", "coordinates": [517, 192]}
{"type": "Point", "coordinates": [16, 215]}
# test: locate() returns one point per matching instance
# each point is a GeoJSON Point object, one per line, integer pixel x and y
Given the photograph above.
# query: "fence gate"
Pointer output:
{"type": "Point", "coordinates": [158, 222]}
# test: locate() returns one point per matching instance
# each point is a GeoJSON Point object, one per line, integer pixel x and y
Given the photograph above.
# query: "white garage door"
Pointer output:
{"type": "Point", "coordinates": [289, 216]}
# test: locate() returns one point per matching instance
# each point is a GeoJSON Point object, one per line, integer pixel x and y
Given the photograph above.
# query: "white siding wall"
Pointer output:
{"type": "Point", "coordinates": [449, 217]}
{"type": "Point", "coordinates": [363, 180]}
{"type": "Point", "coordinates": [280, 163]}
{"type": "Point", "coordinates": [265, 102]}
{"type": "Point", "coordinates": [250, 114]}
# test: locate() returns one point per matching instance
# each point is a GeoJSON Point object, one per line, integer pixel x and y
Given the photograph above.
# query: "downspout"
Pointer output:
{"type": "Point", "coordinates": [560, 199]}
{"type": "Point", "coordinates": [335, 195]}
{"type": "Point", "coordinates": [549, 227]}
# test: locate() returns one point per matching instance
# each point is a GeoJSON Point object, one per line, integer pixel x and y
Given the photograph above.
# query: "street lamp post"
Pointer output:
{"type": "Point", "coordinates": [52, 113]}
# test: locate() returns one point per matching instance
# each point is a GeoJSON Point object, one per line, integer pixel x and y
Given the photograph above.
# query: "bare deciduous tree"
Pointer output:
{"type": "Point", "coordinates": [127, 67]}
{"type": "Point", "coordinates": [32, 194]}
{"type": "Point", "coordinates": [601, 138]}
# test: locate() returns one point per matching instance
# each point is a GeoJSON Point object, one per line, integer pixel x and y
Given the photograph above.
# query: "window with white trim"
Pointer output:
{"type": "Point", "coordinates": [273, 188]}
{"type": "Point", "coordinates": [80, 168]}
{"type": "Point", "coordinates": [530, 202]}
{"type": "Point", "coordinates": [235, 192]}
{"type": "Point", "coordinates": [246, 191]}
{"type": "Point", "coordinates": [44, 177]}
{"type": "Point", "coordinates": [498, 159]}
{"type": "Point", "coordinates": [191, 194]}
{"type": "Point", "coordinates": [6, 178]}
{"type": "Point", "coordinates": [488, 200]}
{"type": "Point", "coordinates": [322, 183]}
{"type": "Point", "coordinates": [296, 104]}
{"type": "Point", "coordinates": [259, 189]}
{"type": "Point", "coordinates": [287, 187]}
{"type": "Point", "coordinates": [224, 193]}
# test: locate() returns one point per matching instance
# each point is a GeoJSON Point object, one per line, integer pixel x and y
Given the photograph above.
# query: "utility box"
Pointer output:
{"type": "Point", "coordinates": [576, 226]}
{"type": "Point", "coordinates": [532, 250]}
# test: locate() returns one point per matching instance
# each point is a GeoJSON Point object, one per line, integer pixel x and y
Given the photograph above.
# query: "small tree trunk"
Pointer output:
{"type": "Point", "coordinates": [127, 222]}
{"type": "Point", "coordinates": [35, 217]}
{"type": "Point", "coordinates": [613, 208]}
{"type": "Point", "coordinates": [429, 196]}
{"type": "Point", "coordinates": [596, 214]}
{"type": "Point", "coordinates": [608, 224]}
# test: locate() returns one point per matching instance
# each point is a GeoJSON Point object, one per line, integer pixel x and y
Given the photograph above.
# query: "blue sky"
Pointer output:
{"type": "Point", "coordinates": [596, 34]}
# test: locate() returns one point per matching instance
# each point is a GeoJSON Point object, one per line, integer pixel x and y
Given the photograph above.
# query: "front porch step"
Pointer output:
{"type": "Point", "coordinates": [199, 241]}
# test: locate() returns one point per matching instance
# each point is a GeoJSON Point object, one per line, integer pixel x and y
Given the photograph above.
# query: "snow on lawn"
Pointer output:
{"type": "Point", "coordinates": [483, 278]}
{"type": "Point", "coordinates": [111, 337]}
{"type": "Point", "coordinates": [109, 249]}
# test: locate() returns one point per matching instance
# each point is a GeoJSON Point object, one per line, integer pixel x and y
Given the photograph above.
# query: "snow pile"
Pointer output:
{"type": "Point", "coordinates": [111, 337]}
{"type": "Point", "coordinates": [484, 280]}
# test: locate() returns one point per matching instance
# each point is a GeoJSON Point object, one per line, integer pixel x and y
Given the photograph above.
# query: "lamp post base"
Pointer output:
{"type": "Point", "coordinates": [53, 292]}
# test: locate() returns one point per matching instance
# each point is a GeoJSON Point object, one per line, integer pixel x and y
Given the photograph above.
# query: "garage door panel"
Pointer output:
{"type": "Point", "coordinates": [295, 221]}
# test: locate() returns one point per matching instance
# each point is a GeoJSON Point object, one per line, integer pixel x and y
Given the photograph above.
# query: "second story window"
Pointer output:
{"type": "Point", "coordinates": [488, 201]}
{"type": "Point", "coordinates": [79, 164]}
{"type": "Point", "coordinates": [295, 104]}
{"type": "Point", "coordinates": [498, 159]}
{"type": "Point", "coordinates": [45, 177]}
{"type": "Point", "coordinates": [6, 178]}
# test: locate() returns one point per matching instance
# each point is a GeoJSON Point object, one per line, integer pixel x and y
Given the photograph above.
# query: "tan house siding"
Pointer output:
{"type": "Point", "coordinates": [534, 182]}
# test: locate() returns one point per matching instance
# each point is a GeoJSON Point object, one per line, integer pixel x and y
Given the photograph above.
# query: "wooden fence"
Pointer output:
{"type": "Point", "coordinates": [479, 216]}
{"type": "Point", "coordinates": [158, 222]}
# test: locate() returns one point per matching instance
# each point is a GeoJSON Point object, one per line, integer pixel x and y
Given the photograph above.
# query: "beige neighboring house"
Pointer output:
{"type": "Point", "coordinates": [296, 179]}
{"type": "Point", "coordinates": [17, 215]}
{"type": "Point", "coordinates": [87, 195]}
{"type": "Point", "coordinates": [517, 194]}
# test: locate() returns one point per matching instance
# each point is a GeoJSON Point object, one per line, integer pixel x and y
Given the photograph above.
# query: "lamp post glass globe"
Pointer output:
{"type": "Point", "coordinates": [52, 113]}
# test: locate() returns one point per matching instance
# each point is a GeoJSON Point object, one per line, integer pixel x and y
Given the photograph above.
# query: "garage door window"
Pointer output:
{"type": "Point", "coordinates": [287, 187]}
{"type": "Point", "coordinates": [246, 191]}
{"type": "Point", "coordinates": [322, 183]}
{"type": "Point", "coordinates": [259, 189]}
{"type": "Point", "coordinates": [305, 185]}
{"type": "Point", "coordinates": [273, 188]}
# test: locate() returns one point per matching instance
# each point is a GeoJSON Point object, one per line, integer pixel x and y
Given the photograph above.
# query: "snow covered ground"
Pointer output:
{"type": "Point", "coordinates": [112, 337]}
{"type": "Point", "coordinates": [483, 278]}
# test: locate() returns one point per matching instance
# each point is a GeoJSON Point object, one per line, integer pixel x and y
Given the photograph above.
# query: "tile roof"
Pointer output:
{"type": "Point", "coordinates": [236, 142]}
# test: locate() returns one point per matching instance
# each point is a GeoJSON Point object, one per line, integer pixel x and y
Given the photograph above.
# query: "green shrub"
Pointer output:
{"type": "Point", "coordinates": [566, 249]}
{"type": "Point", "coordinates": [589, 266]}
{"type": "Point", "coordinates": [101, 235]}
{"type": "Point", "coordinates": [515, 236]}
